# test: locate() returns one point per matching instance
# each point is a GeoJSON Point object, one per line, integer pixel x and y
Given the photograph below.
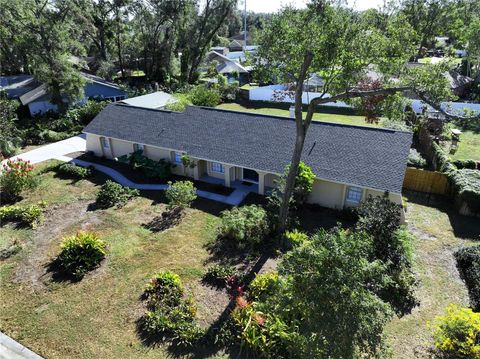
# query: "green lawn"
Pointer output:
{"type": "Point", "coordinates": [326, 117]}
{"type": "Point", "coordinates": [439, 232]}
{"type": "Point", "coordinates": [97, 317]}
{"type": "Point", "coordinates": [468, 147]}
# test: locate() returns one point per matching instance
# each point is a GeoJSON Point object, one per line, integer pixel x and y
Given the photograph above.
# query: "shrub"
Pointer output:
{"type": "Point", "coordinates": [15, 176]}
{"type": "Point", "coordinates": [415, 159]}
{"type": "Point", "coordinates": [457, 334]}
{"type": "Point", "coordinates": [169, 314]}
{"type": "Point", "coordinates": [246, 225]}
{"type": "Point", "coordinates": [203, 96]}
{"type": "Point", "coordinates": [468, 264]}
{"type": "Point", "coordinates": [29, 215]}
{"type": "Point", "coordinates": [182, 101]}
{"type": "Point", "coordinates": [218, 274]}
{"type": "Point", "coordinates": [180, 194]}
{"type": "Point", "coordinates": [392, 244]}
{"type": "Point", "coordinates": [113, 194]}
{"type": "Point", "coordinates": [466, 184]}
{"type": "Point", "coordinates": [440, 159]}
{"type": "Point", "coordinates": [295, 238]}
{"type": "Point", "coordinates": [72, 170]}
{"type": "Point", "coordinates": [81, 253]}
{"type": "Point", "coordinates": [263, 285]}
{"type": "Point", "coordinates": [303, 183]}
{"type": "Point", "coordinates": [469, 164]}
{"type": "Point", "coordinates": [150, 168]}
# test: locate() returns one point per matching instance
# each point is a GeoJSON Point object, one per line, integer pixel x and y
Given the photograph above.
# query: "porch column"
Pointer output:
{"type": "Point", "coordinates": [196, 171]}
{"type": "Point", "coordinates": [226, 169]}
{"type": "Point", "coordinates": [261, 182]}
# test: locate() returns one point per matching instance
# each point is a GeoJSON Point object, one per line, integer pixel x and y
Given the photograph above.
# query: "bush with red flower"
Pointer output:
{"type": "Point", "coordinates": [15, 176]}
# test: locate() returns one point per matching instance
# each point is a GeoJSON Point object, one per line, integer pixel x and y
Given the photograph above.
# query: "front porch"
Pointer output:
{"type": "Point", "coordinates": [243, 180]}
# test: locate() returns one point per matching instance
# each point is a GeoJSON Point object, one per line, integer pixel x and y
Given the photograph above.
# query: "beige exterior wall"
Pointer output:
{"type": "Point", "coordinates": [214, 174]}
{"type": "Point", "coordinates": [120, 148]}
{"type": "Point", "coordinates": [270, 180]}
{"type": "Point", "coordinates": [94, 145]}
{"type": "Point", "coordinates": [327, 194]}
{"type": "Point", "coordinates": [156, 153]}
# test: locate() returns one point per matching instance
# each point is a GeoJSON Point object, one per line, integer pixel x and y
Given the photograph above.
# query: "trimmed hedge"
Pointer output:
{"type": "Point", "coordinates": [72, 170]}
{"type": "Point", "coordinates": [468, 264]}
{"type": "Point", "coordinates": [470, 164]}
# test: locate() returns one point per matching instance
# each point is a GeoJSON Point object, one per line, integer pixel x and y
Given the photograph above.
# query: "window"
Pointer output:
{"type": "Point", "coordinates": [217, 167]}
{"type": "Point", "coordinates": [354, 194]}
{"type": "Point", "coordinates": [104, 142]}
{"type": "Point", "coordinates": [178, 157]}
{"type": "Point", "coordinates": [137, 147]}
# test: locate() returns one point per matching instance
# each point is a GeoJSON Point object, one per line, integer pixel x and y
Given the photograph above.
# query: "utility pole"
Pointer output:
{"type": "Point", "coordinates": [245, 29]}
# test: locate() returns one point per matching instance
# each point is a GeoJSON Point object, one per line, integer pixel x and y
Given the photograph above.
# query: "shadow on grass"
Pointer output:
{"type": "Point", "coordinates": [463, 226]}
{"type": "Point", "coordinates": [58, 275]}
{"type": "Point", "coordinates": [166, 220]}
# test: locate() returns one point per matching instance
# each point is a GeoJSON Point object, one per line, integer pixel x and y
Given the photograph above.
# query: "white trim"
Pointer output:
{"type": "Point", "coordinates": [234, 165]}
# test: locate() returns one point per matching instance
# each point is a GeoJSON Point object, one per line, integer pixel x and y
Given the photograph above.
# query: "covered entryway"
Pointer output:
{"type": "Point", "coordinates": [250, 175]}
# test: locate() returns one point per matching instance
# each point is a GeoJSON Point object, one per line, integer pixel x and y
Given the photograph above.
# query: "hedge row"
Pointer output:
{"type": "Point", "coordinates": [468, 264]}
{"type": "Point", "coordinates": [465, 182]}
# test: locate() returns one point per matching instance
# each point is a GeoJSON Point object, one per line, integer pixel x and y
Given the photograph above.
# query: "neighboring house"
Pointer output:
{"type": "Point", "coordinates": [155, 100]}
{"type": "Point", "coordinates": [459, 84]}
{"type": "Point", "coordinates": [349, 162]}
{"type": "Point", "coordinates": [34, 94]}
{"type": "Point", "coordinates": [231, 69]}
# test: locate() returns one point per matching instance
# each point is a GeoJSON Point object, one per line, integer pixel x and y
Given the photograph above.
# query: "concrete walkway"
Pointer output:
{"type": "Point", "coordinates": [234, 199]}
{"type": "Point", "coordinates": [59, 150]}
{"type": "Point", "coordinates": [10, 349]}
{"type": "Point", "coordinates": [52, 150]}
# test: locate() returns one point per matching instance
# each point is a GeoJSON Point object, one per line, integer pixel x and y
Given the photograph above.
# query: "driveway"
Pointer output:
{"type": "Point", "coordinates": [53, 150]}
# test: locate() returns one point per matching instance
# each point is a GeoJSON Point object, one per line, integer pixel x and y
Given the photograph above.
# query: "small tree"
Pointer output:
{"type": "Point", "coordinates": [203, 96]}
{"type": "Point", "coordinates": [15, 176]}
{"type": "Point", "coordinates": [180, 195]}
{"type": "Point", "coordinates": [187, 162]}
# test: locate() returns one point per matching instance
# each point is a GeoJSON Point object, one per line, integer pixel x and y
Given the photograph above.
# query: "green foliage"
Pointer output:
{"type": "Point", "coordinates": [469, 164]}
{"type": "Point", "coordinates": [181, 102]}
{"type": "Point", "coordinates": [295, 238]}
{"type": "Point", "coordinates": [468, 264]}
{"type": "Point", "coordinates": [10, 136]}
{"type": "Point", "coordinates": [218, 274]}
{"type": "Point", "coordinates": [72, 170]}
{"type": "Point", "coordinates": [81, 253]}
{"type": "Point", "coordinates": [441, 160]}
{"type": "Point", "coordinates": [303, 183]}
{"type": "Point", "coordinates": [28, 215]}
{"type": "Point", "coordinates": [202, 96]}
{"type": "Point", "coordinates": [415, 159]}
{"type": "Point", "coordinates": [15, 176]}
{"type": "Point", "coordinates": [114, 194]}
{"type": "Point", "coordinates": [180, 194]}
{"type": "Point", "coordinates": [466, 183]}
{"type": "Point", "coordinates": [245, 226]}
{"type": "Point", "coordinates": [457, 333]}
{"type": "Point", "coordinates": [327, 313]}
{"type": "Point", "coordinates": [263, 286]}
{"type": "Point", "coordinates": [150, 168]}
{"type": "Point", "coordinates": [392, 244]}
{"type": "Point", "coordinates": [85, 113]}
{"type": "Point", "coordinates": [169, 314]}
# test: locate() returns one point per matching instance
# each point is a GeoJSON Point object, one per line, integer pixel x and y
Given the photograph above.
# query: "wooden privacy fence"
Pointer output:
{"type": "Point", "coordinates": [425, 181]}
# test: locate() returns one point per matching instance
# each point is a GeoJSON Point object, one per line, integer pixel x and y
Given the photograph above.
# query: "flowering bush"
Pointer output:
{"type": "Point", "coordinates": [457, 334]}
{"type": "Point", "coordinates": [16, 175]}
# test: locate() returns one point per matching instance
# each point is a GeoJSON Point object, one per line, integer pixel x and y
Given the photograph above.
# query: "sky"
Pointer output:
{"type": "Point", "coordinates": [274, 5]}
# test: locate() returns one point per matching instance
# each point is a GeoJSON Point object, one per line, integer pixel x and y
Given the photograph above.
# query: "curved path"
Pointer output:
{"type": "Point", "coordinates": [59, 150]}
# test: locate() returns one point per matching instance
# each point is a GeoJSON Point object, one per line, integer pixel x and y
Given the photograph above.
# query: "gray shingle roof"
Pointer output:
{"type": "Point", "coordinates": [363, 156]}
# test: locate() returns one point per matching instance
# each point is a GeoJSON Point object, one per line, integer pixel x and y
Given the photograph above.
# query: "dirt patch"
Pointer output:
{"type": "Point", "coordinates": [211, 302]}
{"type": "Point", "coordinates": [33, 269]}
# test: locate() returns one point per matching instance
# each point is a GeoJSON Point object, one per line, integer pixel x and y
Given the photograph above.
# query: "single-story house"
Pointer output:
{"type": "Point", "coordinates": [231, 69]}
{"type": "Point", "coordinates": [34, 94]}
{"type": "Point", "coordinates": [154, 100]}
{"type": "Point", "coordinates": [349, 162]}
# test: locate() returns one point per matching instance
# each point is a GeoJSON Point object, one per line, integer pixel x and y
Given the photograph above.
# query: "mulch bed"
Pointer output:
{"type": "Point", "coordinates": [138, 177]}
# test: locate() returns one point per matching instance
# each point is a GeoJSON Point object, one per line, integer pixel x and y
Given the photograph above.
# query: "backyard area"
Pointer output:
{"type": "Point", "coordinates": [98, 316]}
{"type": "Point", "coordinates": [468, 147]}
{"type": "Point", "coordinates": [326, 117]}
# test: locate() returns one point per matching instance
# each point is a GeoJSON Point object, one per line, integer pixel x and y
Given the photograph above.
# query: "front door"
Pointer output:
{"type": "Point", "coordinates": [250, 175]}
